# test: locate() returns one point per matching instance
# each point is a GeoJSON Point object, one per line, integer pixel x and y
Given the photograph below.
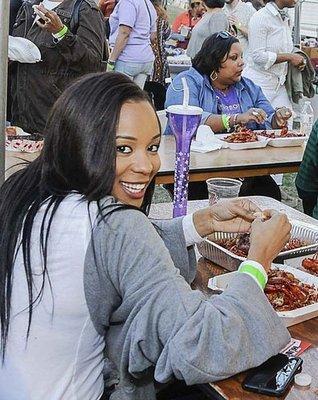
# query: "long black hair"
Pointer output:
{"type": "Point", "coordinates": [79, 155]}
{"type": "Point", "coordinates": [214, 50]}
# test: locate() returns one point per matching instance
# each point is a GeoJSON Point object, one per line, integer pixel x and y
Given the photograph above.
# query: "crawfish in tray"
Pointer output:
{"type": "Point", "coordinates": [310, 264]}
{"type": "Point", "coordinates": [285, 292]}
{"type": "Point", "coordinates": [240, 244]}
{"type": "Point", "coordinates": [241, 135]}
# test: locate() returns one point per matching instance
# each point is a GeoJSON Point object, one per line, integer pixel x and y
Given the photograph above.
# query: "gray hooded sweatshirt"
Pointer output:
{"type": "Point", "coordinates": [156, 327]}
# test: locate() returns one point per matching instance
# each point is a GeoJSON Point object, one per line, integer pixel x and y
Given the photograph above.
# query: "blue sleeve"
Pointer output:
{"type": "Point", "coordinates": [175, 96]}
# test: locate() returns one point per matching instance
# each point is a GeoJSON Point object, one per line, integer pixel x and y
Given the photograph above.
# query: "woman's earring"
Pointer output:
{"type": "Point", "coordinates": [213, 76]}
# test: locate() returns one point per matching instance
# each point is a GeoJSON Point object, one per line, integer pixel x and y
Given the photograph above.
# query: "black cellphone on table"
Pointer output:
{"type": "Point", "coordinates": [273, 376]}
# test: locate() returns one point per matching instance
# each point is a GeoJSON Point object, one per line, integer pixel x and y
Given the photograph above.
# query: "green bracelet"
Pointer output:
{"type": "Point", "coordinates": [60, 34]}
{"type": "Point", "coordinates": [251, 270]}
{"type": "Point", "coordinates": [226, 122]}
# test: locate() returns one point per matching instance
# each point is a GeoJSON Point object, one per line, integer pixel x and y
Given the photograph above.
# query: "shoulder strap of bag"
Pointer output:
{"type": "Point", "coordinates": [74, 23]}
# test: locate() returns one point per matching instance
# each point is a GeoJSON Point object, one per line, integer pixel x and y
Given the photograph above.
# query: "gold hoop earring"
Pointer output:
{"type": "Point", "coordinates": [213, 76]}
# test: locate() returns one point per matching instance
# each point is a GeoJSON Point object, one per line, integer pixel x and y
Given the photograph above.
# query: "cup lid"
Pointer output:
{"type": "Point", "coordinates": [182, 110]}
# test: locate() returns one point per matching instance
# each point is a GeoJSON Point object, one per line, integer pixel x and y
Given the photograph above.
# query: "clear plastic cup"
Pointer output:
{"type": "Point", "coordinates": [222, 188]}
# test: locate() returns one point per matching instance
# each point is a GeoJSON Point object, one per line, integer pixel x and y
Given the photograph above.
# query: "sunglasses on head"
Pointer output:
{"type": "Point", "coordinates": [195, 4]}
{"type": "Point", "coordinates": [224, 35]}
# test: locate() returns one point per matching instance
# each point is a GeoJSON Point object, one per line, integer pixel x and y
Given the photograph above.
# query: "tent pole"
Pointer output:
{"type": "Point", "coordinates": [297, 36]}
{"type": "Point", "coordinates": [4, 32]}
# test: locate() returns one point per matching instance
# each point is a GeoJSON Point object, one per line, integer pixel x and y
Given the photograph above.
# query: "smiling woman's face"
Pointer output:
{"type": "Point", "coordinates": [137, 161]}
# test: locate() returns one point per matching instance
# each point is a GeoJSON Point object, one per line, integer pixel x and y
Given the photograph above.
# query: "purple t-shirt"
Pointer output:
{"type": "Point", "coordinates": [227, 102]}
{"type": "Point", "coordinates": [141, 16]}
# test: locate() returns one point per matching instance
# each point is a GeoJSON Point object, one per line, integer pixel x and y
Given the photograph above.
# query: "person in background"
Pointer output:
{"type": "Point", "coordinates": [213, 20]}
{"type": "Point", "coordinates": [66, 55]}
{"type": "Point", "coordinates": [156, 86]}
{"type": "Point", "coordinates": [228, 100]}
{"type": "Point", "coordinates": [239, 15]}
{"type": "Point", "coordinates": [85, 274]}
{"type": "Point", "coordinates": [133, 25]}
{"type": "Point", "coordinates": [270, 50]}
{"type": "Point", "coordinates": [187, 20]}
{"type": "Point", "coordinates": [307, 177]}
{"type": "Point", "coordinates": [216, 84]}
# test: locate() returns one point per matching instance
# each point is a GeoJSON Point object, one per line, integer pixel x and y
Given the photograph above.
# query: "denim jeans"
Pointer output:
{"type": "Point", "coordinates": [138, 72]}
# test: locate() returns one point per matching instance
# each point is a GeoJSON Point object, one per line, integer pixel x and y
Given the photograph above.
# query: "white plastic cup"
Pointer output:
{"type": "Point", "coordinates": [222, 188]}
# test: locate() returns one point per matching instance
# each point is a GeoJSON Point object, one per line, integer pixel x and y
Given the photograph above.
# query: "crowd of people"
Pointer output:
{"type": "Point", "coordinates": [95, 297]}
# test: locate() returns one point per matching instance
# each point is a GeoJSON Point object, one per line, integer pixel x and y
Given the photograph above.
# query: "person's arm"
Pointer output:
{"type": "Point", "coordinates": [167, 325]}
{"type": "Point", "coordinates": [120, 42]}
{"type": "Point", "coordinates": [257, 39]}
{"type": "Point", "coordinates": [83, 50]}
{"type": "Point", "coordinates": [127, 16]}
{"type": "Point", "coordinates": [172, 233]}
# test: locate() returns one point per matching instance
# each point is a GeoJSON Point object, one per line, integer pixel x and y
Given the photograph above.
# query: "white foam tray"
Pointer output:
{"type": "Point", "coordinates": [262, 142]}
{"type": "Point", "coordinates": [284, 142]}
{"type": "Point", "coordinates": [221, 282]}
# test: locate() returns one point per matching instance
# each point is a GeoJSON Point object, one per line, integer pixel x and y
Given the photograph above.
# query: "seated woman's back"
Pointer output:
{"type": "Point", "coordinates": [61, 328]}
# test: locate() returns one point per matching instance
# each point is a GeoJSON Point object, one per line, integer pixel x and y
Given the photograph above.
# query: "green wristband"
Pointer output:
{"type": "Point", "coordinates": [60, 34]}
{"type": "Point", "coordinates": [251, 270]}
{"type": "Point", "coordinates": [226, 122]}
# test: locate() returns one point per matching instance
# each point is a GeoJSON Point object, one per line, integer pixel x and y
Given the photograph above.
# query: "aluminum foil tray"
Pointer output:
{"type": "Point", "coordinates": [230, 261]}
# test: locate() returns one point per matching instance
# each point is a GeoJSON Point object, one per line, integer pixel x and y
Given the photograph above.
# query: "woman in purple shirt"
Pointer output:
{"type": "Point", "coordinates": [228, 100]}
{"type": "Point", "coordinates": [216, 85]}
{"type": "Point", "coordinates": [132, 29]}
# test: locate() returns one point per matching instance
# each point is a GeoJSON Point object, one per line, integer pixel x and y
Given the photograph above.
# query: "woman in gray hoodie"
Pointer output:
{"type": "Point", "coordinates": [85, 273]}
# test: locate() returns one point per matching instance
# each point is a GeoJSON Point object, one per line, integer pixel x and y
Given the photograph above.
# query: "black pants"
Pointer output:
{"type": "Point", "coordinates": [157, 92]}
{"type": "Point", "coordinates": [309, 200]}
{"type": "Point", "coordinates": [174, 391]}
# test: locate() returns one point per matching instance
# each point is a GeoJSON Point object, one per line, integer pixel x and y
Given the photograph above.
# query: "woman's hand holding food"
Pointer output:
{"type": "Point", "coordinates": [235, 215]}
{"type": "Point", "coordinates": [253, 114]}
{"type": "Point", "coordinates": [49, 20]}
{"type": "Point", "coordinates": [268, 237]}
{"type": "Point", "coordinates": [281, 116]}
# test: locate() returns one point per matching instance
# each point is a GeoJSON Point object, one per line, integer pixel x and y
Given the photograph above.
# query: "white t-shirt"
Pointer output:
{"type": "Point", "coordinates": [63, 357]}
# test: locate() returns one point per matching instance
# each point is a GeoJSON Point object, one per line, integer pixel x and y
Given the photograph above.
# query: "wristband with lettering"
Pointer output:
{"type": "Point", "coordinates": [254, 272]}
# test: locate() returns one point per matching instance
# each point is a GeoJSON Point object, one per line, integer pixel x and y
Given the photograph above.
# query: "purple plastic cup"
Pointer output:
{"type": "Point", "coordinates": [184, 122]}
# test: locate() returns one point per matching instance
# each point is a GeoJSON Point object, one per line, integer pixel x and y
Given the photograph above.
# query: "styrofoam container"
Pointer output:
{"type": "Point", "coordinates": [221, 282]}
{"type": "Point", "coordinates": [230, 261]}
{"type": "Point", "coordinates": [260, 143]}
{"type": "Point", "coordinates": [284, 141]}
{"type": "Point", "coordinates": [296, 263]}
